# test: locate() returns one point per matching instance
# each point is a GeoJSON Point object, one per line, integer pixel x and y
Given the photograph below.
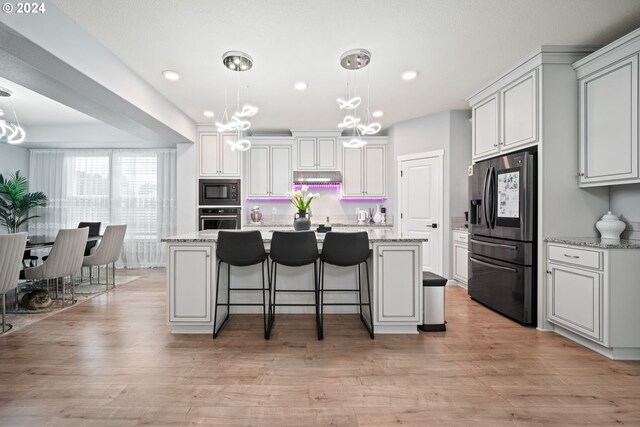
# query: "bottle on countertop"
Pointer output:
{"type": "Point", "coordinates": [383, 214]}
{"type": "Point", "coordinates": [327, 223]}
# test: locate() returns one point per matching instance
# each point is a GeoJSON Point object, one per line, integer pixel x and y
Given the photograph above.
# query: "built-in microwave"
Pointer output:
{"type": "Point", "coordinates": [219, 192]}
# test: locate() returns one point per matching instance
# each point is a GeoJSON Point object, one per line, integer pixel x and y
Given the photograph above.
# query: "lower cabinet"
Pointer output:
{"type": "Point", "coordinates": [460, 256]}
{"type": "Point", "coordinates": [574, 299]}
{"type": "Point", "coordinates": [592, 296]}
{"type": "Point", "coordinates": [398, 295]}
{"type": "Point", "coordinates": [189, 281]}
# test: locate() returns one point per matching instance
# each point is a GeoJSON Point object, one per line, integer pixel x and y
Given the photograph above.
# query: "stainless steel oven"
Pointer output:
{"type": "Point", "coordinates": [219, 192]}
{"type": "Point", "coordinates": [221, 218]}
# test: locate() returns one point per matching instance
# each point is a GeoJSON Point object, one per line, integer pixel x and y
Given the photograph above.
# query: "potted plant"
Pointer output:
{"type": "Point", "coordinates": [301, 199]}
{"type": "Point", "coordinates": [16, 201]}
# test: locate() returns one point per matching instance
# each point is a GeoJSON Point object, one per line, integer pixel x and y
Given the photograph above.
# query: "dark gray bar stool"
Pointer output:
{"type": "Point", "coordinates": [346, 250]}
{"type": "Point", "coordinates": [240, 249]}
{"type": "Point", "coordinates": [293, 249]}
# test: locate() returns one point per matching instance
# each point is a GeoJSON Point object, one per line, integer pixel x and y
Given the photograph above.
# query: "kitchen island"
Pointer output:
{"type": "Point", "coordinates": [395, 269]}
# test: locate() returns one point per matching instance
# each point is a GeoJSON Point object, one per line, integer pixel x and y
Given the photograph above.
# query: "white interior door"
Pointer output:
{"type": "Point", "coordinates": [420, 206]}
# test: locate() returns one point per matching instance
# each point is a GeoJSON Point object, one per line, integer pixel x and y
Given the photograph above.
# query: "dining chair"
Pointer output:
{"type": "Point", "coordinates": [94, 230]}
{"type": "Point", "coordinates": [12, 250]}
{"type": "Point", "coordinates": [65, 259]}
{"type": "Point", "coordinates": [108, 251]}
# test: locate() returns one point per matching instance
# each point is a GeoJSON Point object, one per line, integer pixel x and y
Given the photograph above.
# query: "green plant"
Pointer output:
{"type": "Point", "coordinates": [301, 199]}
{"type": "Point", "coordinates": [16, 201]}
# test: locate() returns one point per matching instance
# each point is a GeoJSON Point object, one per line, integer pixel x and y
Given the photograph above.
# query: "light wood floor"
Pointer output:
{"type": "Point", "coordinates": [112, 361]}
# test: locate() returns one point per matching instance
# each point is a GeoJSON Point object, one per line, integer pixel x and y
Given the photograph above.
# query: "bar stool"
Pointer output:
{"type": "Point", "coordinates": [293, 249]}
{"type": "Point", "coordinates": [240, 249]}
{"type": "Point", "coordinates": [346, 250]}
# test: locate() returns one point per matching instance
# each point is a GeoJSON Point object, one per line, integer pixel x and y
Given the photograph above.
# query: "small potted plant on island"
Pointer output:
{"type": "Point", "coordinates": [301, 199]}
{"type": "Point", "coordinates": [16, 201]}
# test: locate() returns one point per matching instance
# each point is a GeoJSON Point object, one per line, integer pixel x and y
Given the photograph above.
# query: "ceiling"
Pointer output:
{"type": "Point", "coordinates": [35, 109]}
{"type": "Point", "coordinates": [456, 45]}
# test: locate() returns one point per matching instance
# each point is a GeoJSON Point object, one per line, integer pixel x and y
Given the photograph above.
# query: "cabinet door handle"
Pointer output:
{"type": "Point", "coordinates": [581, 174]}
{"type": "Point", "coordinates": [572, 256]}
{"type": "Point", "coordinates": [495, 145]}
{"type": "Point", "coordinates": [548, 271]}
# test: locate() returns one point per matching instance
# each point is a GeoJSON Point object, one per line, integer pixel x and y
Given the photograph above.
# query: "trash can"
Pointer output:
{"type": "Point", "coordinates": [433, 303]}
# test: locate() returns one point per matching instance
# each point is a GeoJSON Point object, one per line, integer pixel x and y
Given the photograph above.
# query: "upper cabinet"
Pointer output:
{"type": "Point", "coordinates": [364, 172]}
{"type": "Point", "coordinates": [608, 82]}
{"type": "Point", "coordinates": [506, 119]}
{"type": "Point", "coordinates": [485, 134]}
{"type": "Point", "coordinates": [519, 112]}
{"type": "Point", "coordinates": [216, 159]}
{"type": "Point", "coordinates": [269, 171]}
{"type": "Point", "coordinates": [317, 153]}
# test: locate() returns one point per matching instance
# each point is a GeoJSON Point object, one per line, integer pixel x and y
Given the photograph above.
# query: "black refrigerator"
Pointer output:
{"type": "Point", "coordinates": [503, 226]}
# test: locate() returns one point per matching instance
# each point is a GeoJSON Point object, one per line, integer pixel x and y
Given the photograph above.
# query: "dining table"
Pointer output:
{"type": "Point", "coordinates": [45, 242]}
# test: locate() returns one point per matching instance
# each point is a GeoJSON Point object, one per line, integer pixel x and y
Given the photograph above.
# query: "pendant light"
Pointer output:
{"type": "Point", "coordinates": [239, 62]}
{"type": "Point", "coordinates": [353, 61]}
{"type": "Point", "coordinates": [11, 132]}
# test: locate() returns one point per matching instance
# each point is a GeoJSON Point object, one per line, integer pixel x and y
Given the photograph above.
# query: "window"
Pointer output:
{"type": "Point", "coordinates": [132, 187]}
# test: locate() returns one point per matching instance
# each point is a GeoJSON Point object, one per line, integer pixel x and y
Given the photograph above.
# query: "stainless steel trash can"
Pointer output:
{"type": "Point", "coordinates": [433, 303]}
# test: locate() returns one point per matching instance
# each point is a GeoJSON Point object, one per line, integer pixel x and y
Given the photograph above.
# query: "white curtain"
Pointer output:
{"type": "Point", "coordinates": [137, 188]}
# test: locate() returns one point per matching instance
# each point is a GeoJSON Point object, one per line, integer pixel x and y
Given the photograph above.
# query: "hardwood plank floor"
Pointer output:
{"type": "Point", "coordinates": [112, 361]}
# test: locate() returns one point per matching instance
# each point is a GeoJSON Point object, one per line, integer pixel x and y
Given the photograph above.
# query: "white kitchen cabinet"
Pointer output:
{"type": "Point", "coordinates": [268, 169]}
{"type": "Point", "coordinates": [507, 119]}
{"type": "Point", "coordinates": [189, 281]}
{"type": "Point", "coordinates": [519, 112]}
{"type": "Point", "coordinates": [317, 153]}
{"type": "Point", "coordinates": [575, 299]}
{"type": "Point", "coordinates": [485, 135]}
{"type": "Point", "coordinates": [461, 256]}
{"type": "Point", "coordinates": [364, 171]}
{"type": "Point", "coordinates": [216, 159]}
{"type": "Point", "coordinates": [592, 296]}
{"type": "Point", "coordinates": [398, 292]}
{"type": "Point", "coordinates": [609, 124]}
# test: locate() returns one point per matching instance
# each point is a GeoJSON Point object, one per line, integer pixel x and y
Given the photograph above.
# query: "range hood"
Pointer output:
{"type": "Point", "coordinates": [317, 177]}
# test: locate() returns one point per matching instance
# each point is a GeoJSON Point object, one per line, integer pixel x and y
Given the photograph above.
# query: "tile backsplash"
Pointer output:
{"type": "Point", "coordinates": [632, 231]}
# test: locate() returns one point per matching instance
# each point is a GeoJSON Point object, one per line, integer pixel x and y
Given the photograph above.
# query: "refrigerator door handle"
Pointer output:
{"type": "Point", "coordinates": [495, 245]}
{"type": "Point", "coordinates": [484, 198]}
{"type": "Point", "coordinates": [498, 267]}
{"type": "Point", "coordinates": [489, 198]}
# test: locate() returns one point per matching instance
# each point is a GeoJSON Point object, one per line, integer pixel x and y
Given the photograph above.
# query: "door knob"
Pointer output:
{"type": "Point", "coordinates": [433, 225]}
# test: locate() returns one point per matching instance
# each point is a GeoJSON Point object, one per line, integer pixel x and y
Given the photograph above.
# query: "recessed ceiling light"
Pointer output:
{"type": "Point", "coordinates": [208, 113]}
{"type": "Point", "coordinates": [171, 75]}
{"type": "Point", "coordinates": [301, 85]}
{"type": "Point", "coordinates": [377, 113]}
{"type": "Point", "coordinates": [409, 75]}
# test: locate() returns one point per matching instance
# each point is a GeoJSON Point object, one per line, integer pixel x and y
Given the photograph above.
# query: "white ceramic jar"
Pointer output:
{"type": "Point", "coordinates": [610, 227]}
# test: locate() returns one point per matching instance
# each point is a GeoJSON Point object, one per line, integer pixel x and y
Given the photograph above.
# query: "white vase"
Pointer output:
{"type": "Point", "coordinates": [610, 227]}
{"type": "Point", "coordinates": [377, 218]}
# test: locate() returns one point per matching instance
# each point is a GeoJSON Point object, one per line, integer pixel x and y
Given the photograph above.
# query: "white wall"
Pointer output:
{"type": "Point", "coordinates": [625, 202]}
{"type": "Point", "coordinates": [460, 159]}
{"type": "Point", "coordinates": [13, 158]}
{"type": "Point", "coordinates": [449, 131]}
{"type": "Point", "coordinates": [186, 185]}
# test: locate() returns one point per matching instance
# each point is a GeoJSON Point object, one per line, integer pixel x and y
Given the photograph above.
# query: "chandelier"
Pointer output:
{"type": "Point", "coordinates": [353, 61]}
{"type": "Point", "coordinates": [238, 123]}
{"type": "Point", "coordinates": [11, 132]}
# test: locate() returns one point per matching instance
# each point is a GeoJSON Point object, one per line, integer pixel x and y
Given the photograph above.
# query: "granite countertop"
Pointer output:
{"type": "Point", "coordinates": [314, 226]}
{"type": "Point", "coordinates": [595, 242]}
{"type": "Point", "coordinates": [375, 235]}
